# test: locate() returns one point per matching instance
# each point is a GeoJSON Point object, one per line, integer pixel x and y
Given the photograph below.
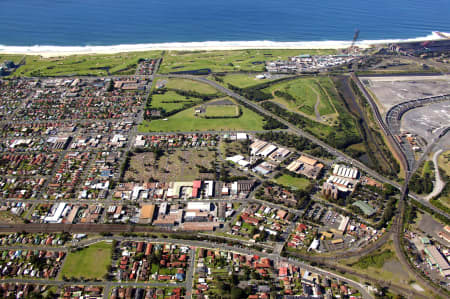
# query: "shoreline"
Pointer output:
{"type": "Point", "coordinates": [55, 51]}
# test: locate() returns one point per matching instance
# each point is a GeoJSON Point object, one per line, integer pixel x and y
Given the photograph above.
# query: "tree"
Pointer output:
{"type": "Point", "coordinates": [238, 293]}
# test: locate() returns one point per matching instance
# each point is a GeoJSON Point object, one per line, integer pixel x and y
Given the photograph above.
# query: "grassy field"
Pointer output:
{"type": "Point", "coordinates": [222, 110]}
{"type": "Point", "coordinates": [444, 166]}
{"type": "Point", "coordinates": [14, 58]}
{"type": "Point", "coordinates": [90, 262]}
{"type": "Point", "coordinates": [293, 182]}
{"type": "Point", "coordinates": [444, 162]}
{"type": "Point", "coordinates": [187, 121]}
{"type": "Point", "coordinates": [225, 61]}
{"type": "Point", "coordinates": [382, 264]}
{"type": "Point", "coordinates": [242, 80]}
{"type": "Point", "coordinates": [181, 165]}
{"type": "Point", "coordinates": [91, 64]}
{"type": "Point", "coordinates": [170, 101]}
{"type": "Point", "coordinates": [190, 85]}
{"type": "Point", "coordinates": [304, 92]}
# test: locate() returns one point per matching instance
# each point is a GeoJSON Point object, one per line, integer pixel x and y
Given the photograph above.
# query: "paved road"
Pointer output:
{"type": "Point", "coordinates": [190, 274]}
{"type": "Point", "coordinates": [293, 128]}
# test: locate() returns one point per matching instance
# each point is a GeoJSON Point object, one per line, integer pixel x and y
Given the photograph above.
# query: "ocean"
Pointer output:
{"type": "Point", "coordinates": [102, 22]}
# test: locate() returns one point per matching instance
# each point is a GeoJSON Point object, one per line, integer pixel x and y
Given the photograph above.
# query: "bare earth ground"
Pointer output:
{"type": "Point", "coordinates": [394, 90]}
{"type": "Point", "coordinates": [179, 166]}
{"type": "Point", "coordinates": [426, 121]}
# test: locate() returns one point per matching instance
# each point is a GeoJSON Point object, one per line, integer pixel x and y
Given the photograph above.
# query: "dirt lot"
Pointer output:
{"type": "Point", "coordinates": [178, 165]}
{"type": "Point", "coordinates": [426, 121]}
{"type": "Point", "coordinates": [7, 217]}
{"type": "Point", "coordinates": [394, 90]}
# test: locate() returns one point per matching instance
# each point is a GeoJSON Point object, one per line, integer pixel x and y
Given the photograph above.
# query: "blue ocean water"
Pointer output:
{"type": "Point", "coordinates": [112, 22]}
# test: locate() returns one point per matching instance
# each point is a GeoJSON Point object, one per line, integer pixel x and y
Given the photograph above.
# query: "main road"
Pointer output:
{"type": "Point", "coordinates": [291, 127]}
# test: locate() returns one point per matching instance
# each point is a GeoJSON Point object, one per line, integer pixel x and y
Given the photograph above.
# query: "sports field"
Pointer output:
{"type": "Point", "coordinates": [187, 121]}
{"type": "Point", "coordinates": [222, 110]}
{"type": "Point", "coordinates": [293, 182]}
{"type": "Point", "coordinates": [90, 262]}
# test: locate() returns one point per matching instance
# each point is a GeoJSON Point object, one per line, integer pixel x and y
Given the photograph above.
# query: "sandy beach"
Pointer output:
{"type": "Point", "coordinates": [53, 51]}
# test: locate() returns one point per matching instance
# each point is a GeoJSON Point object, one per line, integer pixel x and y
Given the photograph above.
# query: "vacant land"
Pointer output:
{"type": "Point", "coordinates": [382, 264]}
{"type": "Point", "coordinates": [90, 262]}
{"type": "Point", "coordinates": [10, 218]}
{"type": "Point", "coordinates": [181, 165]}
{"type": "Point", "coordinates": [225, 61]}
{"type": "Point", "coordinates": [306, 96]}
{"type": "Point", "coordinates": [190, 85]}
{"type": "Point", "coordinates": [293, 182]}
{"type": "Point", "coordinates": [90, 64]}
{"type": "Point", "coordinates": [187, 121]}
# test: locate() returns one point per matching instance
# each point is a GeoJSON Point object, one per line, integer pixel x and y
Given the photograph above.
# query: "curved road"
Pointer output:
{"type": "Point", "coordinates": [439, 183]}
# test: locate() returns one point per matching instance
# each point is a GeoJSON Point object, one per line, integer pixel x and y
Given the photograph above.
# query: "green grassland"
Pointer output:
{"type": "Point", "coordinates": [12, 57]}
{"type": "Point", "coordinates": [92, 64]}
{"type": "Point", "coordinates": [443, 200]}
{"type": "Point", "coordinates": [304, 94]}
{"type": "Point", "coordinates": [444, 162]}
{"type": "Point", "coordinates": [222, 110]}
{"type": "Point", "coordinates": [170, 101]}
{"type": "Point", "coordinates": [242, 80]}
{"type": "Point", "coordinates": [226, 61]}
{"type": "Point", "coordinates": [381, 264]}
{"type": "Point", "coordinates": [293, 182]}
{"type": "Point", "coordinates": [186, 121]}
{"type": "Point", "coordinates": [339, 131]}
{"type": "Point", "coordinates": [190, 85]}
{"type": "Point", "coordinates": [90, 262]}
